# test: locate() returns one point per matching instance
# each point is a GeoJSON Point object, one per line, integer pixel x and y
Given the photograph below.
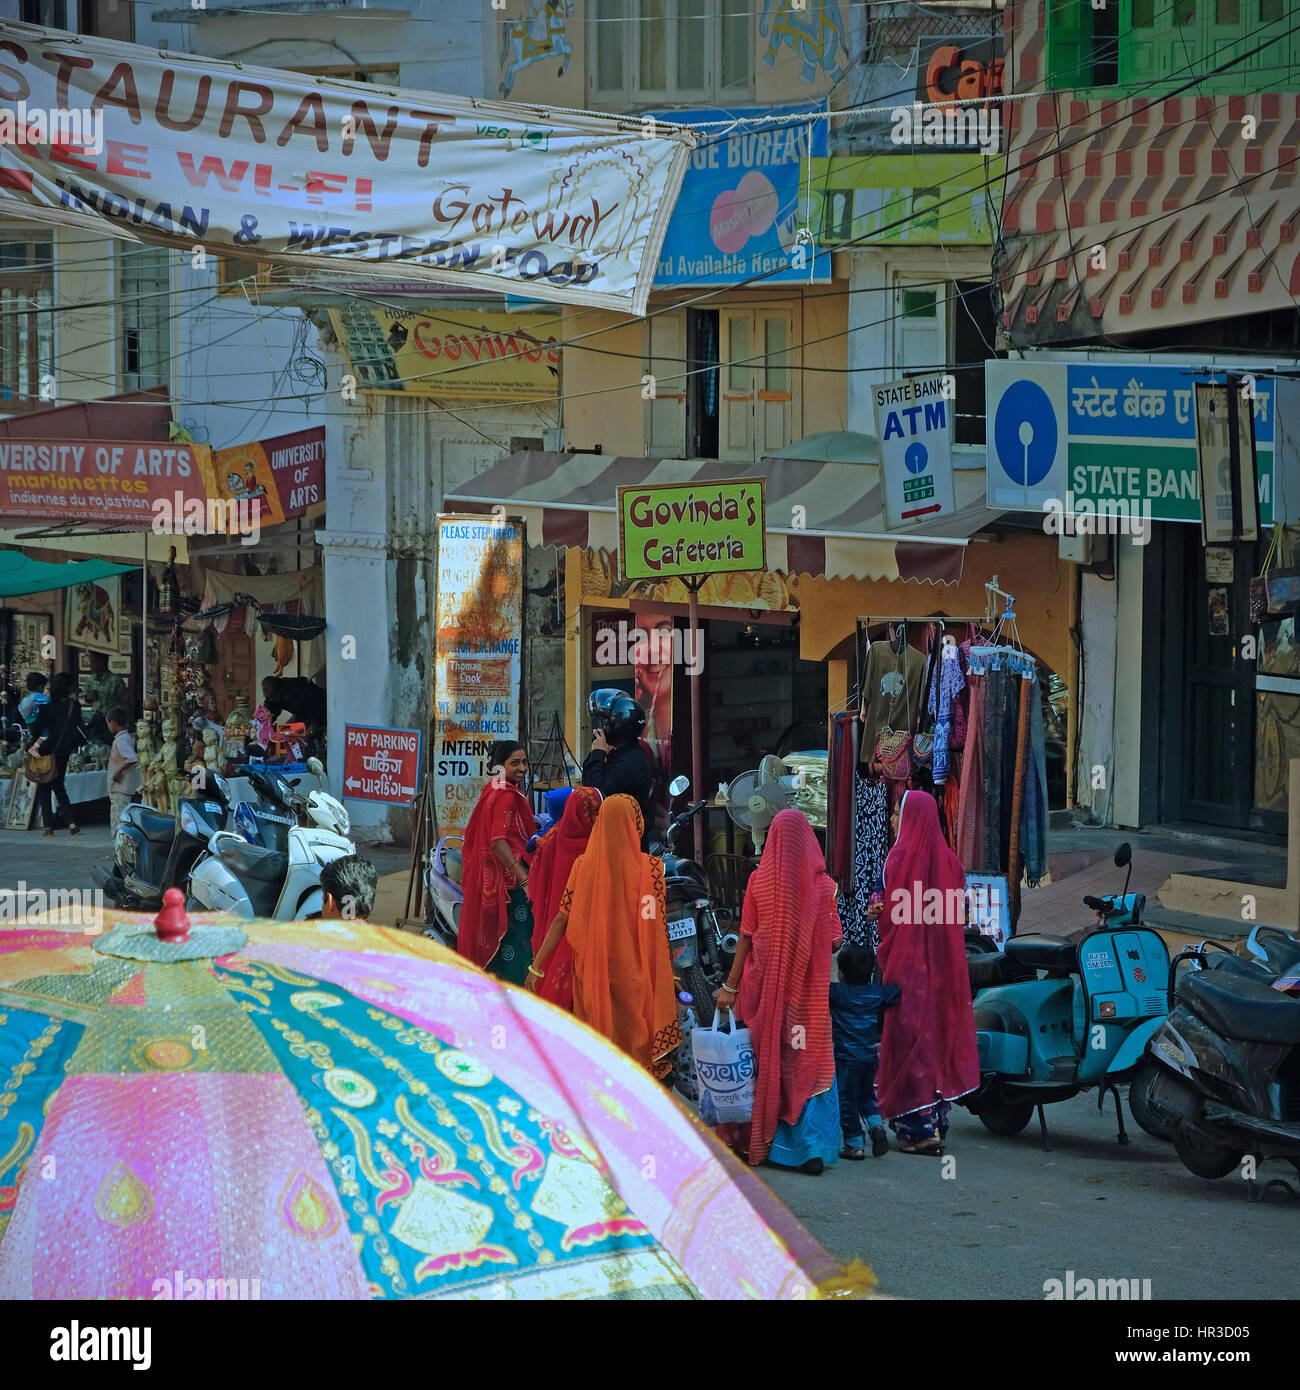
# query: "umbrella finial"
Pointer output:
{"type": "Point", "coordinates": [171, 923]}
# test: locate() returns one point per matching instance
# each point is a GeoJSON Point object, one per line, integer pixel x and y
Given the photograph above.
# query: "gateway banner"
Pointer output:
{"type": "Point", "coordinates": [278, 166]}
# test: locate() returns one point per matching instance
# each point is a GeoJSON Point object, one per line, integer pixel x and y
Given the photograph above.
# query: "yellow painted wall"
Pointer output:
{"type": "Point", "coordinates": [602, 392]}
{"type": "Point", "coordinates": [85, 338]}
{"type": "Point", "coordinates": [602, 370]}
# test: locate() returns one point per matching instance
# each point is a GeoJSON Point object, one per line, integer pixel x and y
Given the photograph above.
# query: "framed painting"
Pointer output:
{"type": "Point", "coordinates": [32, 651]}
{"type": "Point", "coordinates": [93, 614]}
{"type": "Point", "coordinates": [22, 802]}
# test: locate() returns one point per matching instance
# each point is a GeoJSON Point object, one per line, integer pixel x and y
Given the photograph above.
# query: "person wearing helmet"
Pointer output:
{"type": "Point", "coordinates": [618, 761]}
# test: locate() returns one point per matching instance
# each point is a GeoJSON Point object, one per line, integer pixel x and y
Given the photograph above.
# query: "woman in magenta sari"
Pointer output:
{"type": "Point", "coordinates": [928, 1055]}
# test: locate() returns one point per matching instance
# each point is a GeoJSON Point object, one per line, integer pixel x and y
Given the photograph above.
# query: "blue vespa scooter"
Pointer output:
{"type": "Point", "coordinates": [1078, 1016]}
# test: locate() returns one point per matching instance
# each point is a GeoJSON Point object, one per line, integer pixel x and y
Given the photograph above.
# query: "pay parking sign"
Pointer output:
{"type": "Point", "coordinates": [914, 426]}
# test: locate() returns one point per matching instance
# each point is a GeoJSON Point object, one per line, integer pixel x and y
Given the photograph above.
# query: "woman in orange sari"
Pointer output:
{"type": "Point", "coordinates": [496, 923]}
{"type": "Point", "coordinates": [612, 913]}
{"type": "Point", "coordinates": [557, 852]}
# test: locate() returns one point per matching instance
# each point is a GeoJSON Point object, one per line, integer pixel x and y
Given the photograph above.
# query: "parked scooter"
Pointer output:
{"type": "Point", "coordinates": [264, 880]}
{"type": "Point", "coordinates": [153, 852]}
{"type": "Point", "coordinates": [1270, 953]}
{"type": "Point", "coordinates": [1226, 1061]}
{"type": "Point", "coordinates": [442, 879]}
{"type": "Point", "coordinates": [1083, 1021]}
{"type": "Point", "coordinates": [701, 954]}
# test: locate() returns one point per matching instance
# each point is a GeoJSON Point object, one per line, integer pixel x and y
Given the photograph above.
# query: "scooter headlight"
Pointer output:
{"type": "Point", "coordinates": [189, 822]}
{"type": "Point", "coordinates": [124, 850]}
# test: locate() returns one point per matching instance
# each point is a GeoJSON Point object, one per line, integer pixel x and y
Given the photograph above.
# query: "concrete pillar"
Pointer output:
{"type": "Point", "coordinates": [376, 602]}
{"type": "Point", "coordinates": [1098, 616]}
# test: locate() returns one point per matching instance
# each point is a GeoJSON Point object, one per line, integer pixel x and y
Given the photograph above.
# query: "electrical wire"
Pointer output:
{"type": "Point", "coordinates": [606, 328]}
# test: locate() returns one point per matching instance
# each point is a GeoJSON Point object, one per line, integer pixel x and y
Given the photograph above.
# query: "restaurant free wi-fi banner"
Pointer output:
{"type": "Point", "coordinates": [278, 166]}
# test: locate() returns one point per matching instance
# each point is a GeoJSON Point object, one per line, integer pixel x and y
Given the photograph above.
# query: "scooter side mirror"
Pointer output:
{"type": "Point", "coordinates": [316, 767]}
{"type": "Point", "coordinates": [679, 785]}
{"type": "Point", "coordinates": [1123, 854]}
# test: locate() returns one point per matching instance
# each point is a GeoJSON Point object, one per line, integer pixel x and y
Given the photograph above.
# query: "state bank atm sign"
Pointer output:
{"type": "Point", "coordinates": [1107, 432]}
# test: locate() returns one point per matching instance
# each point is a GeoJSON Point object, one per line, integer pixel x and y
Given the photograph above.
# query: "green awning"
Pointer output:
{"type": "Point", "coordinates": [19, 575]}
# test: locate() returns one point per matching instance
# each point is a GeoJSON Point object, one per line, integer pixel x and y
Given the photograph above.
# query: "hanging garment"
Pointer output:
{"type": "Point", "coordinates": [870, 846]}
{"type": "Point", "coordinates": [840, 775]}
{"type": "Point", "coordinates": [891, 694]}
{"type": "Point", "coordinates": [1001, 720]}
{"type": "Point", "coordinates": [945, 694]}
{"type": "Point", "coordinates": [951, 800]}
{"type": "Point", "coordinates": [971, 809]}
{"type": "Point", "coordinates": [961, 711]}
{"type": "Point", "coordinates": [1033, 807]}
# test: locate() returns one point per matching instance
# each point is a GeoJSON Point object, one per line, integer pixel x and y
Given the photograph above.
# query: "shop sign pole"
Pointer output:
{"type": "Point", "coordinates": [697, 740]}
{"type": "Point", "coordinates": [691, 532]}
{"type": "Point", "coordinates": [144, 623]}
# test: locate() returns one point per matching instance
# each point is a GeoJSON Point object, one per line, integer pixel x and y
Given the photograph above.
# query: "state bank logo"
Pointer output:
{"type": "Point", "coordinates": [1026, 442]}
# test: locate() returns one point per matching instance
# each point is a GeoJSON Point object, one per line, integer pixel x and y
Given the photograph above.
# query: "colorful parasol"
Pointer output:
{"type": "Point", "coordinates": [339, 1110]}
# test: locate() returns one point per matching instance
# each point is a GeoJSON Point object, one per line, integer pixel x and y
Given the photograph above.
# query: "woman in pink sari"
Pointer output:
{"type": "Point", "coordinates": [928, 1055]}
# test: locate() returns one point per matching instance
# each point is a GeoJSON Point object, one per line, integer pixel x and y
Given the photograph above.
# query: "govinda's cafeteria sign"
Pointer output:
{"type": "Point", "coordinates": [685, 529]}
{"type": "Point", "coordinates": [280, 166]}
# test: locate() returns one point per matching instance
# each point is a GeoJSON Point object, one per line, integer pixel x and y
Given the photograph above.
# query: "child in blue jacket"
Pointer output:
{"type": "Point", "coordinates": [856, 1008]}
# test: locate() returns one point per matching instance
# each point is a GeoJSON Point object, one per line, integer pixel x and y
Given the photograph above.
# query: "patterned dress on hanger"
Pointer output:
{"type": "Point", "coordinates": [870, 846]}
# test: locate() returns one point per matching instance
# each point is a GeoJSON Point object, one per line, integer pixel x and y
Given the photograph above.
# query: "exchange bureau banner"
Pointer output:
{"type": "Point", "coordinates": [274, 165]}
{"type": "Point", "coordinates": [477, 670]}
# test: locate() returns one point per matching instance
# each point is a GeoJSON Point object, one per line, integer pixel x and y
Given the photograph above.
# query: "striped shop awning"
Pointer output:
{"type": "Point", "coordinates": [570, 500]}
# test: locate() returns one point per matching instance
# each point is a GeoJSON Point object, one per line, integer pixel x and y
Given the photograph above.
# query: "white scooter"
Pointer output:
{"type": "Point", "coordinates": [253, 880]}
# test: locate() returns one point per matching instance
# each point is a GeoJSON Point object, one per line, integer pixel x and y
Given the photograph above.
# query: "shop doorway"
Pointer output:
{"type": "Point", "coordinates": [759, 697]}
{"type": "Point", "coordinates": [1208, 688]}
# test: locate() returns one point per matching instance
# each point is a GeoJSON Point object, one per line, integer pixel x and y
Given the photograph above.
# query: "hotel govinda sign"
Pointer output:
{"type": "Point", "coordinates": [677, 530]}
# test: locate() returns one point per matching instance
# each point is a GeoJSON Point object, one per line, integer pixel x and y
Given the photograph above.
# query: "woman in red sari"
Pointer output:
{"type": "Point", "coordinates": [496, 923]}
{"type": "Point", "coordinates": [780, 988]}
{"type": "Point", "coordinates": [928, 1054]}
{"type": "Point", "coordinates": [557, 852]}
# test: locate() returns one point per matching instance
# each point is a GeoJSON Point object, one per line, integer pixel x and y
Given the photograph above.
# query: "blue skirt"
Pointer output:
{"type": "Point", "coordinates": [816, 1133]}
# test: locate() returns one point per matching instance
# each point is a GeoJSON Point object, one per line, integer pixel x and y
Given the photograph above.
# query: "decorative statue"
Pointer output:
{"type": "Point", "coordinates": [211, 750]}
{"type": "Point", "coordinates": [171, 747]}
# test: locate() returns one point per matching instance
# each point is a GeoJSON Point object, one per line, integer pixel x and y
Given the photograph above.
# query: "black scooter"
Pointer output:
{"type": "Point", "coordinates": [1225, 1079]}
{"type": "Point", "coordinates": [699, 955]}
{"type": "Point", "coordinates": [153, 852]}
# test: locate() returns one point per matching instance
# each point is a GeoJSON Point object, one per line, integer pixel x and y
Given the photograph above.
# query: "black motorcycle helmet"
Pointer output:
{"type": "Point", "coordinates": [598, 703]}
{"type": "Point", "coordinates": [625, 721]}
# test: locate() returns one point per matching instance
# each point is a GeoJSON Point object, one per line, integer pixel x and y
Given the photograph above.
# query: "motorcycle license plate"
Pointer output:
{"type": "Point", "coordinates": [680, 928]}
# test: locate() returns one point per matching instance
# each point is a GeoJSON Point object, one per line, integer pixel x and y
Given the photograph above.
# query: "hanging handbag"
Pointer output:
{"type": "Point", "coordinates": [923, 749]}
{"type": "Point", "coordinates": [1259, 584]}
{"type": "Point", "coordinates": [892, 754]}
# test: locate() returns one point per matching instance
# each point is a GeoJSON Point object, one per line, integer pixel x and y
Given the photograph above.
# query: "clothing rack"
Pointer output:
{"type": "Point", "coordinates": [943, 619]}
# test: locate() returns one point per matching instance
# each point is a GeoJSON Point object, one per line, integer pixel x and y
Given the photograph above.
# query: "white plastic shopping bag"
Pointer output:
{"type": "Point", "coordinates": [725, 1066]}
